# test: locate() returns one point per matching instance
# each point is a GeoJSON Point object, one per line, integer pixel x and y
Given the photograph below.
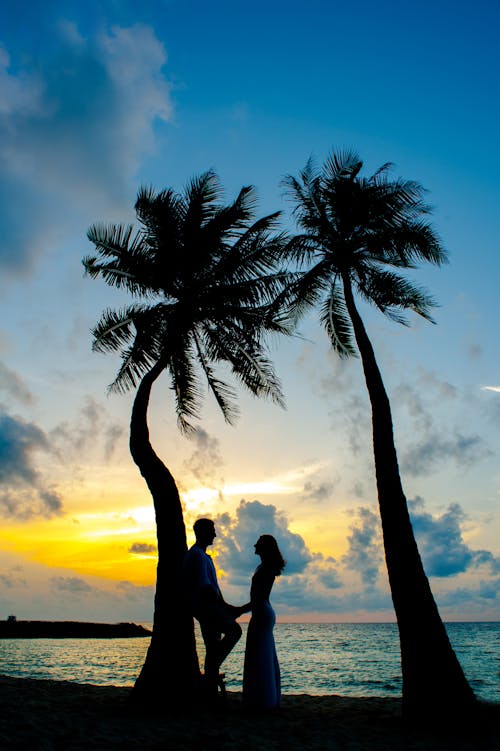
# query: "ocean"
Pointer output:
{"type": "Point", "coordinates": [360, 659]}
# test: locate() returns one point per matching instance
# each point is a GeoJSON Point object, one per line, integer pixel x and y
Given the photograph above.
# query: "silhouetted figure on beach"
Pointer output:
{"type": "Point", "coordinates": [261, 674]}
{"type": "Point", "coordinates": [216, 617]}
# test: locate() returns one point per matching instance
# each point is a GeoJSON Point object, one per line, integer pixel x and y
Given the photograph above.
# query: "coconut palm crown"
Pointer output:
{"type": "Point", "coordinates": [359, 230]}
{"type": "Point", "coordinates": [203, 275]}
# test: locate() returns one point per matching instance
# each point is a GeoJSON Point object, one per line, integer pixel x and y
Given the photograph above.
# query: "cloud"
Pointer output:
{"type": "Point", "coordinates": [490, 590]}
{"type": "Point", "coordinates": [18, 439]}
{"type": "Point", "coordinates": [12, 580]}
{"type": "Point", "coordinates": [79, 124]}
{"type": "Point", "coordinates": [474, 600]}
{"type": "Point", "coordinates": [71, 439]}
{"type": "Point", "coordinates": [318, 491]}
{"type": "Point", "coordinates": [440, 540]}
{"type": "Point", "coordinates": [433, 450]}
{"type": "Point", "coordinates": [309, 578]}
{"type": "Point", "coordinates": [23, 493]}
{"type": "Point", "coordinates": [112, 435]}
{"type": "Point", "coordinates": [364, 554]}
{"type": "Point", "coordinates": [496, 389]}
{"type": "Point", "coordinates": [240, 533]}
{"type": "Point", "coordinates": [205, 463]}
{"type": "Point", "coordinates": [72, 584]}
{"type": "Point", "coordinates": [358, 489]}
{"type": "Point", "coordinates": [434, 445]}
{"type": "Point", "coordinates": [142, 548]}
{"type": "Point", "coordinates": [14, 386]}
{"type": "Point", "coordinates": [441, 389]}
{"type": "Point", "coordinates": [135, 593]}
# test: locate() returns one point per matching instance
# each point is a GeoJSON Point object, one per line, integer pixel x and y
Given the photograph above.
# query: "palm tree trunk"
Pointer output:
{"type": "Point", "coordinates": [434, 684]}
{"type": "Point", "coordinates": [171, 667]}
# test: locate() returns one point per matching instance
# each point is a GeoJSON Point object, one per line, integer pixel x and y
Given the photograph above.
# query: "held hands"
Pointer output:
{"type": "Point", "coordinates": [240, 609]}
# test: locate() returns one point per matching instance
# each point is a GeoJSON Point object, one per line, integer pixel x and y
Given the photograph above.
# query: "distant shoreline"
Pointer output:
{"type": "Point", "coordinates": [70, 630]}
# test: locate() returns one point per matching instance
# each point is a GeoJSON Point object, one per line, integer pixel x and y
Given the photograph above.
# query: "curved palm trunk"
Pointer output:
{"type": "Point", "coordinates": [171, 667]}
{"type": "Point", "coordinates": [433, 681]}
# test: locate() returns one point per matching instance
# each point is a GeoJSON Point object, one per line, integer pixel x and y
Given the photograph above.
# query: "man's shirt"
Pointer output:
{"type": "Point", "coordinates": [199, 573]}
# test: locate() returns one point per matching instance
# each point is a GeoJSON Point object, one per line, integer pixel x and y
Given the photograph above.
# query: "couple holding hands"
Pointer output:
{"type": "Point", "coordinates": [217, 619]}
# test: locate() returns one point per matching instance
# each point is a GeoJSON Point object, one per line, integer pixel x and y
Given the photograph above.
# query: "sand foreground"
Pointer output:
{"type": "Point", "coordinates": [42, 715]}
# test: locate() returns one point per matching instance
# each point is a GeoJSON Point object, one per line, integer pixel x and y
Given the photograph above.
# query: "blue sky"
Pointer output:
{"type": "Point", "coordinates": [100, 98]}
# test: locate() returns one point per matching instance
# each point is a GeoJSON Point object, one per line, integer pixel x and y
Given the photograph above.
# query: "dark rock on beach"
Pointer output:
{"type": "Point", "coordinates": [13, 629]}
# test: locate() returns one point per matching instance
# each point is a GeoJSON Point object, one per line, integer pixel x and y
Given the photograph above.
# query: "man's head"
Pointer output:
{"type": "Point", "coordinates": [204, 530]}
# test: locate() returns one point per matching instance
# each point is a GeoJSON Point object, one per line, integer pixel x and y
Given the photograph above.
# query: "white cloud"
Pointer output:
{"type": "Point", "coordinates": [73, 132]}
{"type": "Point", "coordinates": [364, 554]}
{"type": "Point", "coordinates": [14, 386]}
{"type": "Point", "coordinates": [73, 438]}
{"type": "Point", "coordinates": [491, 388]}
{"type": "Point", "coordinates": [433, 449]}
{"type": "Point", "coordinates": [205, 463]}
{"type": "Point", "coordinates": [23, 493]}
{"type": "Point", "coordinates": [440, 539]}
{"type": "Point", "coordinates": [21, 94]}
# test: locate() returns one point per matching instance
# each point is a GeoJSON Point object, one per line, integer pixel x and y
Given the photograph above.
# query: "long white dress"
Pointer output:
{"type": "Point", "coordinates": [261, 673]}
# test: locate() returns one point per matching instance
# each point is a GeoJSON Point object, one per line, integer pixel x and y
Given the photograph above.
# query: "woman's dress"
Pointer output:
{"type": "Point", "coordinates": [261, 673]}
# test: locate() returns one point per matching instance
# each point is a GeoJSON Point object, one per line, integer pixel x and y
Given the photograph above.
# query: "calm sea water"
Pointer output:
{"type": "Point", "coordinates": [359, 659]}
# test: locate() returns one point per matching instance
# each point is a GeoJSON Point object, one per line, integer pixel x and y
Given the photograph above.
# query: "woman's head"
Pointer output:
{"type": "Point", "coordinates": [267, 547]}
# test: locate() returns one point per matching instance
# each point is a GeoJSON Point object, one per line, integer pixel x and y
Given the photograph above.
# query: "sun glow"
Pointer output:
{"type": "Point", "coordinates": [144, 516]}
{"type": "Point", "coordinates": [289, 483]}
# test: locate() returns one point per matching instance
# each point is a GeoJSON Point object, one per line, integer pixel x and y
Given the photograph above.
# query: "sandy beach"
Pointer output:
{"type": "Point", "coordinates": [56, 715]}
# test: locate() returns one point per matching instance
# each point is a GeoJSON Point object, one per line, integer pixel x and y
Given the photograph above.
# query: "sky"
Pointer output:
{"type": "Point", "coordinates": [97, 99]}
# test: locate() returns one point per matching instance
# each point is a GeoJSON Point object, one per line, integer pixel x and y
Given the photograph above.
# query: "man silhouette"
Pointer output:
{"type": "Point", "coordinates": [216, 617]}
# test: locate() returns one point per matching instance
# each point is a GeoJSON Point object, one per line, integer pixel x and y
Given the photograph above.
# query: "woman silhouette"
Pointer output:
{"type": "Point", "coordinates": [261, 673]}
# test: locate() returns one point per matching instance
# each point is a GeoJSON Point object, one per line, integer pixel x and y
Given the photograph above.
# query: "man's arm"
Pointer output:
{"type": "Point", "coordinates": [238, 610]}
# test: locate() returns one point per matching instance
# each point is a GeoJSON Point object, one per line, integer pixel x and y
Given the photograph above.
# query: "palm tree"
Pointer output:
{"type": "Point", "coordinates": [202, 275]}
{"type": "Point", "coordinates": [357, 233]}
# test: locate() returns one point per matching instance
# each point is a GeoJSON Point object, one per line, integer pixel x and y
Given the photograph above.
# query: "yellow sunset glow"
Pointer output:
{"type": "Point", "coordinates": [90, 541]}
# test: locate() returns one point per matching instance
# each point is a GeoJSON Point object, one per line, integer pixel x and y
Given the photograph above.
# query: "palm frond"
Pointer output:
{"type": "Point", "coordinates": [115, 328]}
{"type": "Point", "coordinates": [224, 395]}
{"type": "Point", "coordinates": [256, 372]}
{"type": "Point", "coordinates": [341, 165]}
{"type": "Point", "coordinates": [228, 224]}
{"type": "Point", "coordinates": [245, 354]}
{"type": "Point", "coordinates": [185, 385]}
{"type": "Point", "coordinates": [414, 242]}
{"type": "Point", "coordinates": [256, 253]}
{"type": "Point", "coordinates": [116, 276]}
{"type": "Point", "coordinates": [306, 290]}
{"type": "Point", "coordinates": [302, 194]}
{"type": "Point", "coordinates": [136, 361]}
{"type": "Point", "coordinates": [337, 323]}
{"type": "Point", "coordinates": [123, 259]}
{"type": "Point", "coordinates": [298, 250]}
{"type": "Point", "coordinates": [382, 171]}
{"type": "Point", "coordinates": [162, 216]}
{"type": "Point", "coordinates": [389, 292]}
{"type": "Point", "coordinates": [111, 240]}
